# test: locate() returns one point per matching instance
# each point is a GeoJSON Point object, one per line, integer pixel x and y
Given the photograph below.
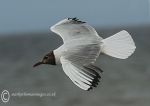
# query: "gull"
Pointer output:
{"type": "Point", "coordinates": [81, 47]}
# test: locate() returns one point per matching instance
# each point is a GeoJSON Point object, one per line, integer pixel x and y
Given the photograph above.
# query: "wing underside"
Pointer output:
{"type": "Point", "coordinates": [85, 77]}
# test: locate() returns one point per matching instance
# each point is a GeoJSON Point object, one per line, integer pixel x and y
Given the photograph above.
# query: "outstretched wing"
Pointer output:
{"type": "Point", "coordinates": [85, 77]}
{"type": "Point", "coordinates": [72, 28]}
{"type": "Point", "coordinates": [81, 41]}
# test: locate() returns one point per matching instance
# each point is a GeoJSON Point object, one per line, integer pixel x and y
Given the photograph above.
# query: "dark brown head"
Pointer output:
{"type": "Point", "coordinates": [48, 59]}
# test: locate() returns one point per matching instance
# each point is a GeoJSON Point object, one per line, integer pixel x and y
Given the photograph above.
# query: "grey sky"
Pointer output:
{"type": "Point", "coordinates": [38, 15]}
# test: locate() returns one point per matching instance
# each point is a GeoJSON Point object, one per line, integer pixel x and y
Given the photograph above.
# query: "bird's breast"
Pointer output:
{"type": "Point", "coordinates": [58, 53]}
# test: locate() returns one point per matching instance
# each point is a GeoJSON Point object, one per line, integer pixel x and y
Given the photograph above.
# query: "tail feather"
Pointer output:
{"type": "Point", "coordinates": [120, 45]}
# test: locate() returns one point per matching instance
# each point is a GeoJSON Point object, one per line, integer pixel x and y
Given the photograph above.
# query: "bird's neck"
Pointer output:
{"type": "Point", "coordinates": [58, 53]}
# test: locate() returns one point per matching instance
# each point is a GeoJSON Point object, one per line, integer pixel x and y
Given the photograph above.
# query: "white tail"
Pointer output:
{"type": "Point", "coordinates": [120, 45]}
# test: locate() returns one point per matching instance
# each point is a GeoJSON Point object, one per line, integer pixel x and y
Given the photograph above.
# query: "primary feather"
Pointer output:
{"type": "Point", "coordinates": [84, 77]}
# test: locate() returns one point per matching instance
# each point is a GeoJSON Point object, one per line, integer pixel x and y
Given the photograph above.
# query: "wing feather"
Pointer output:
{"type": "Point", "coordinates": [70, 29]}
{"type": "Point", "coordinates": [82, 53]}
{"type": "Point", "coordinates": [81, 41]}
{"type": "Point", "coordinates": [82, 76]}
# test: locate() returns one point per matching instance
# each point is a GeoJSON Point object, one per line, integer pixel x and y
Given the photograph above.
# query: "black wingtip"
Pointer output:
{"type": "Point", "coordinates": [94, 83]}
{"type": "Point", "coordinates": [95, 75]}
{"type": "Point", "coordinates": [76, 20]}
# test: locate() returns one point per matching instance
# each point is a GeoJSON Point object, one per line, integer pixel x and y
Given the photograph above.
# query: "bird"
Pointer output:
{"type": "Point", "coordinates": [82, 45]}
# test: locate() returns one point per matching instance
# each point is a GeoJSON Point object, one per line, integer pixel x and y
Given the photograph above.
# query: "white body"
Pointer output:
{"type": "Point", "coordinates": [58, 53]}
{"type": "Point", "coordinates": [82, 46]}
{"type": "Point", "coordinates": [69, 46]}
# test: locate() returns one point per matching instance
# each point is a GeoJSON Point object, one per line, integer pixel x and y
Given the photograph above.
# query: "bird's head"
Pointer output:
{"type": "Point", "coordinates": [47, 59]}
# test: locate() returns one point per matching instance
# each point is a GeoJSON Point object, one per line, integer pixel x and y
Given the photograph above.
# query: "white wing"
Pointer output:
{"type": "Point", "coordinates": [70, 29]}
{"type": "Point", "coordinates": [81, 51]}
{"type": "Point", "coordinates": [81, 41]}
{"type": "Point", "coordinates": [82, 76]}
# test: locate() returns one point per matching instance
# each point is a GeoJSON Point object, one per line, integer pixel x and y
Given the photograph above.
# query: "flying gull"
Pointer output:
{"type": "Point", "coordinates": [81, 47]}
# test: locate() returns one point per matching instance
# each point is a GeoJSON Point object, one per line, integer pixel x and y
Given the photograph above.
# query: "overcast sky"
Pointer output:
{"type": "Point", "coordinates": [38, 15]}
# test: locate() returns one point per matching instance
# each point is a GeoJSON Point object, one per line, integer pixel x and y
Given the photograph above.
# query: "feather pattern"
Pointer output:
{"type": "Point", "coordinates": [71, 28]}
{"type": "Point", "coordinates": [82, 53]}
{"type": "Point", "coordinates": [85, 77]}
